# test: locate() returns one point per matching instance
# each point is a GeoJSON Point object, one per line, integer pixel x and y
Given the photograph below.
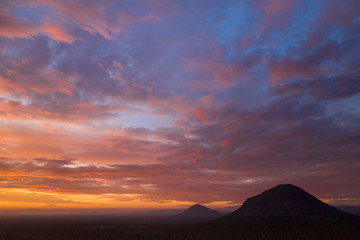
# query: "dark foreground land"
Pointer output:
{"type": "Point", "coordinates": [285, 212]}
{"type": "Point", "coordinates": [117, 227]}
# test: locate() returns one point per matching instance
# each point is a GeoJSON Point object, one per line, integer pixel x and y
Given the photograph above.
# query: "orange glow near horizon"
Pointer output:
{"type": "Point", "coordinates": [26, 199]}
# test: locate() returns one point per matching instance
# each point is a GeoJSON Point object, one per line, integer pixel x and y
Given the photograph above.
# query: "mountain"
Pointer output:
{"type": "Point", "coordinates": [350, 209]}
{"type": "Point", "coordinates": [197, 213]}
{"type": "Point", "coordinates": [282, 212]}
{"type": "Point", "coordinates": [285, 203]}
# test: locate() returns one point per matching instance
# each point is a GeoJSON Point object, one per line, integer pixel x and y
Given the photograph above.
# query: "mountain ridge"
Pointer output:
{"type": "Point", "coordinates": [285, 203]}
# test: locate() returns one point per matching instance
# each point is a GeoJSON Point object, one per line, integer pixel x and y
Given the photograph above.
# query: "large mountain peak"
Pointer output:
{"type": "Point", "coordinates": [285, 201]}
{"type": "Point", "coordinates": [282, 194]}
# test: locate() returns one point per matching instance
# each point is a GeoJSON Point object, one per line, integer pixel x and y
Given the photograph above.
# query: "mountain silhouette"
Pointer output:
{"type": "Point", "coordinates": [196, 213]}
{"type": "Point", "coordinates": [285, 203]}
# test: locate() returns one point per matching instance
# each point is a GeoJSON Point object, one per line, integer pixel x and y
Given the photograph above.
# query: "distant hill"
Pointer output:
{"type": "Point", "coordinates": [197, 213]}
{"type": "Point", "coordinates": [288, 204]}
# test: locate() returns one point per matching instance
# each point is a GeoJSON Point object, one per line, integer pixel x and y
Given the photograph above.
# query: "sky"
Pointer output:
{"type": "Point", "coordinates": [162, 104]}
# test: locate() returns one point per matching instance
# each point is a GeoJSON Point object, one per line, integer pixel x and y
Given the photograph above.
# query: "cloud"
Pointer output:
{"type": "Point", "coordinates": [173, 101]}
{"type": "Point", "coordinates": [90, 17]}
{"type": "Point", "coordinates": [12, 27]}
{"type": "Point", "coordinates": [341, 86]}
{"type": "Point", "coordinates": [199, 114]}
{"type": "Point", "coordinates": [334, 13]}
{"type": "Point", "coordinates": [57, 32]}
{"type": "Point", "coordinates": [277, 7]}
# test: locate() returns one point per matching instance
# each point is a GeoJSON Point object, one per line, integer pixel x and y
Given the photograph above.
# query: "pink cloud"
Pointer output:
{"type": "Point", "coordinates": [285, 69]}
{"type": "Point", "coordinates": [12, 27]}
{"type": "Point", "coordinates": [90, 17]}
{"type": "Point", "coordinates": [216, 72]}
{"type": "Point", "coordinates": [311, 65]}
{"type": "Point", "coordinates": [118, 65]}
{"type": "Point", "coordinates": [93, 18]}
{"type": "Point", "coordinates": [225, 142]}
{"type": "Point", "coordinates": [24, 77]}
{"type": "Point", "coordinates": [274, 7]}
{"type": "Point", "coordinates": [57, 32]}
{"type": "Point", "coordinates": [343, 12]}
{"type": "Point", "coordinates": [201, 116]}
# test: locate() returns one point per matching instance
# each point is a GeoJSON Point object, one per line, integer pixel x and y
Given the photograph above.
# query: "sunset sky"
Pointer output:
{"type": "Point", "coordinates": [163, 104]}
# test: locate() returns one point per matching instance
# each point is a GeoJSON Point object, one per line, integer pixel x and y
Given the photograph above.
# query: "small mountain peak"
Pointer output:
{"type": "Point", "coordinates": [199, 211]}
{"type": "Point", "coordinates": [198, 206]}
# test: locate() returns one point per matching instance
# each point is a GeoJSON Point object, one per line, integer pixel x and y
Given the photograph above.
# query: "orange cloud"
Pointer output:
{"type": "Point", "coordinates": [10, 109]}
{"type": "Point", "coordinates": [50, 128]}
